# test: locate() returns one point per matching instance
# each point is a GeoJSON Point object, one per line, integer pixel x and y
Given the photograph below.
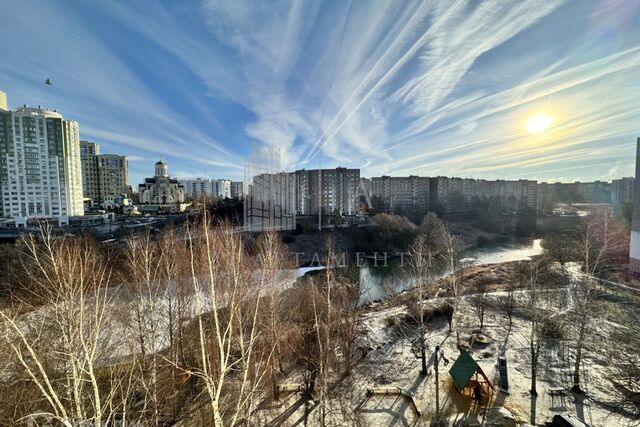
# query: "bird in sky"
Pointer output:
{"type": "Point", "coordinates": [48, 82]}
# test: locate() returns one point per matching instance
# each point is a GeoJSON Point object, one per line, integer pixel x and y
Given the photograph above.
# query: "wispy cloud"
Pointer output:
{"type": "Point", "coordinates": [428, 87]}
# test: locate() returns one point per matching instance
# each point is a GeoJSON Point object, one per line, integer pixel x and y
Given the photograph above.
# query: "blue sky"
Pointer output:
{"type": "Point", "coordinates": [393, 87]}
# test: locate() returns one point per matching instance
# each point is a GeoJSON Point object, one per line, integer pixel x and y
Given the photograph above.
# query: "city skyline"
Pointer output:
{"type": "Point", "coordinates": [422, 88]}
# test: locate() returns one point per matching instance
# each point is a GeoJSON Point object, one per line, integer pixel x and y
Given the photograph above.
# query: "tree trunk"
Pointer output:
{"type": "Point", "coordinates": [534, 373]}
{"type": "Point", "coordinates": [423, 350]}
{"type": "Point", "coordinates": [576, 373]}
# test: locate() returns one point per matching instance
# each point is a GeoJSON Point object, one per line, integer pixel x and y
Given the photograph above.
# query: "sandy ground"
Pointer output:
{"type": "Point", "coordinates": [393, 362]}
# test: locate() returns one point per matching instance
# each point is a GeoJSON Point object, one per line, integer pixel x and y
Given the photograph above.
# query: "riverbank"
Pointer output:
{"type": "Point", "coordinates": [499, 277]}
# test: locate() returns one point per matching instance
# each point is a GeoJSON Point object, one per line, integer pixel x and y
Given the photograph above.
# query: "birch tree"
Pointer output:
{"type": "Point", "coordinates": [63, 334]}
{"type": "Point", "coordinates": [420, 265]}
{"type": "Point", "coordinates": [451, 256]}
{"type": "Point", "coordinates": [535, 318]}
{"type": "Point", "coordinates": [230, 364]}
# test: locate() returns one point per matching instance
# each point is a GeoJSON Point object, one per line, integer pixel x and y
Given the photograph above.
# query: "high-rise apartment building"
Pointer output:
{"type": "Point", "coordinates": [622, 191]}
{"type": "Point", "coordinates": [198, 187]}
{"type": "Point", "coordinates": [220, 188]}
{"type": "Point", "coordinates": [90, 187]}
{"type": "Point", "coordinates": [327, 191]}
{"type": "Point", "coordinates": [40, 170]}
{"type": "Point", "coordinates": [223, 188]}
{"type": "Point", "coordinates": [458, 194]}
{"type": "Point", "coordinates": [401, 195]}
{"type": "Point", "coordinates": [270, 202]}
{"type": "Point", "coordinates": [104, 176]}
{"type": "Point", "coordinates": [237, 189]}
{"type": "Point", "coordinates": [113, 175]}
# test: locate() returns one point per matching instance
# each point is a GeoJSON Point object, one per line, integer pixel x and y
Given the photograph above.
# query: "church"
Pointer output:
{"type": "Point", "coordinates": [161, 189]}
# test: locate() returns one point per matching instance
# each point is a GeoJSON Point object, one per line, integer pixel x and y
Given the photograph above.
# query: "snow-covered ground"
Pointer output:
{"type": "Point", "coordinates": [392, 361]}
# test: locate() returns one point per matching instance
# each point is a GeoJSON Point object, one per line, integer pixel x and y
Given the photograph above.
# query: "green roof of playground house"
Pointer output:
{"type": "Point", "coordinates": [463, 369]}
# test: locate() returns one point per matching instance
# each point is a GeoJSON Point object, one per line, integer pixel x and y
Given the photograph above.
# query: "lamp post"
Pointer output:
{"type": "Point", "coordinates": [436, 355]}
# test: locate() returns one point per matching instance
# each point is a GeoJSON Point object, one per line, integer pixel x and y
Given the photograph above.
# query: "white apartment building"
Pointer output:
{"type": "Point", "coordinates": [198, 187]}
{"type": "Point", "coordinates": [40, 170]}
{"type": "Point", "coordinates": [209, 187]}
{"type": "Point", "coordinates": [223, 188]}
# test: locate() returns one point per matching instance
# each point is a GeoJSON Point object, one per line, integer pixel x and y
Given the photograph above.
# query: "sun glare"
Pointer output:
{"type": "Point", "coordinates": [538, 123]}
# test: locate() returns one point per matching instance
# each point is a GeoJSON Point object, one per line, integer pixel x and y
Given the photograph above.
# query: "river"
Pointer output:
{"type": "Point", "coordinates": [378, 282]}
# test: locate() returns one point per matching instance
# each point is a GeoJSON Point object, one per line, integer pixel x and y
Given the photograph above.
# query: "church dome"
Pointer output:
{"type": "Point", "coordinates": [162, 169]}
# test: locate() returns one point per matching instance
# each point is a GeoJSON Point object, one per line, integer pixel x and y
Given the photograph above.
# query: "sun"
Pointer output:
{"type": "Point", "coordinates": [538, 123]}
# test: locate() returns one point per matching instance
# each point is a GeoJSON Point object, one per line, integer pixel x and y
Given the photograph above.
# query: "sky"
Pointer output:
{"type": "Point", "coordinates": [392, 87]}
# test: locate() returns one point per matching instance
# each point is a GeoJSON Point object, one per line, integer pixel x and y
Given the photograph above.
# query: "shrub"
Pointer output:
{"type": "Point", "coordinates": [553, 327]}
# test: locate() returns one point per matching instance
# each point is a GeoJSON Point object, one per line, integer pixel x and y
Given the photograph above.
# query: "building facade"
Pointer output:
{"type": "Point", "coordinates": [408, 196]}
{"type": "Point", "coordinates": [455, 195]}
{"type": "Point", "coordinates": [327, 191]}
{"type": "Point", "coordinates": [220, 188]}
{"type": "Point", "coordinates": [622, 191]}
{"type": "Point", "coordinates": [104, 176]}
{"type": "Point", "coordinates": [237, 189]}
{"type": "Point", "coordinates": [161, 189]}
{"type": "Point", "coordinates": [223, 188]}
{"type": "Point", "coordinates": [40, 168]}
{"type": "Point", "coordinates": [113, 176]}
{"type": "Point", "coordinates": [198, 187]}
{"type": "Point", "coordinates": [90, 188]}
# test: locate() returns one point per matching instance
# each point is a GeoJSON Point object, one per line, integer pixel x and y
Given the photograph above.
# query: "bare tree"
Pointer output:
{"type": "Point", "coordinates": [535, 317]}
{"type": "Point", "coordinates": [420, 265]}
{"type": "Point", "coordinates": [480, 298]}
{"type": "Point", "coordinates": [348, 328]}
{"type": "Point", "coordinates": [509, 303]}
{"type": "Point", "coordinates": [145, 293]}
{"type": "Point", "coordinates": [230, 363]}
{"type": "Point", "coordinates": [559, 248]}
{"type": "Point", "coordinates": [65, 337]}
{"type": "Point", "coordinates": [273, 267]}
{"type": "Point", "coordinates": [591, 253]}
{"type": "Point", "coordinates": [451, 255]}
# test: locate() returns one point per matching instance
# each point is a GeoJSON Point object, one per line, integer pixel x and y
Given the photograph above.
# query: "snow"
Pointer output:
{"type": "Point", "coordinates": [392, 362]}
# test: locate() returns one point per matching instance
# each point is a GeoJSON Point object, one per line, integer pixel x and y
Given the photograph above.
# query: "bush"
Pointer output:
{"type": "Point", "coordinates": [393, 321]}
{"type": "Point", "coordinates": [553, 328]}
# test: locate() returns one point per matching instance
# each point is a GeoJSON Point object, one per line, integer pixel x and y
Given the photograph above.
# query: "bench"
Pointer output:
{"type": "Point", "coordinates": [394, 391]}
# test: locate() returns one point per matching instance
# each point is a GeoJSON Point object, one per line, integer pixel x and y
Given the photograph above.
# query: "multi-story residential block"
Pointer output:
{"type": "Point", "coordinates": [40, 170]}
{"type": "Point", "coordinates": [616, 192]}
{"type": "Point", "coordinates": [90, 187]}
{"type": "Point", "coordinates": [327, 191]}
{"type": "Point", "coordinates": [104, 176]}
{"type": "Point", "coordinates": [223, 188]}
{"type": "Point", "coordinates": [402, 195]}
{"type": "Point", "coordinates": [220, 188]}
{"type": "Point", "coordinates": [237, 189]}
{"type": "Point", "coordinates": [198, 187]}
{"type": "Point", "coordinates": [458, 194]}
{"type": "Point", "coordinates": [270, 203]}
{"type": "Point", "coordinates": [622, 191]}
{"type": "Point", "coordinates": [113, 176]}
